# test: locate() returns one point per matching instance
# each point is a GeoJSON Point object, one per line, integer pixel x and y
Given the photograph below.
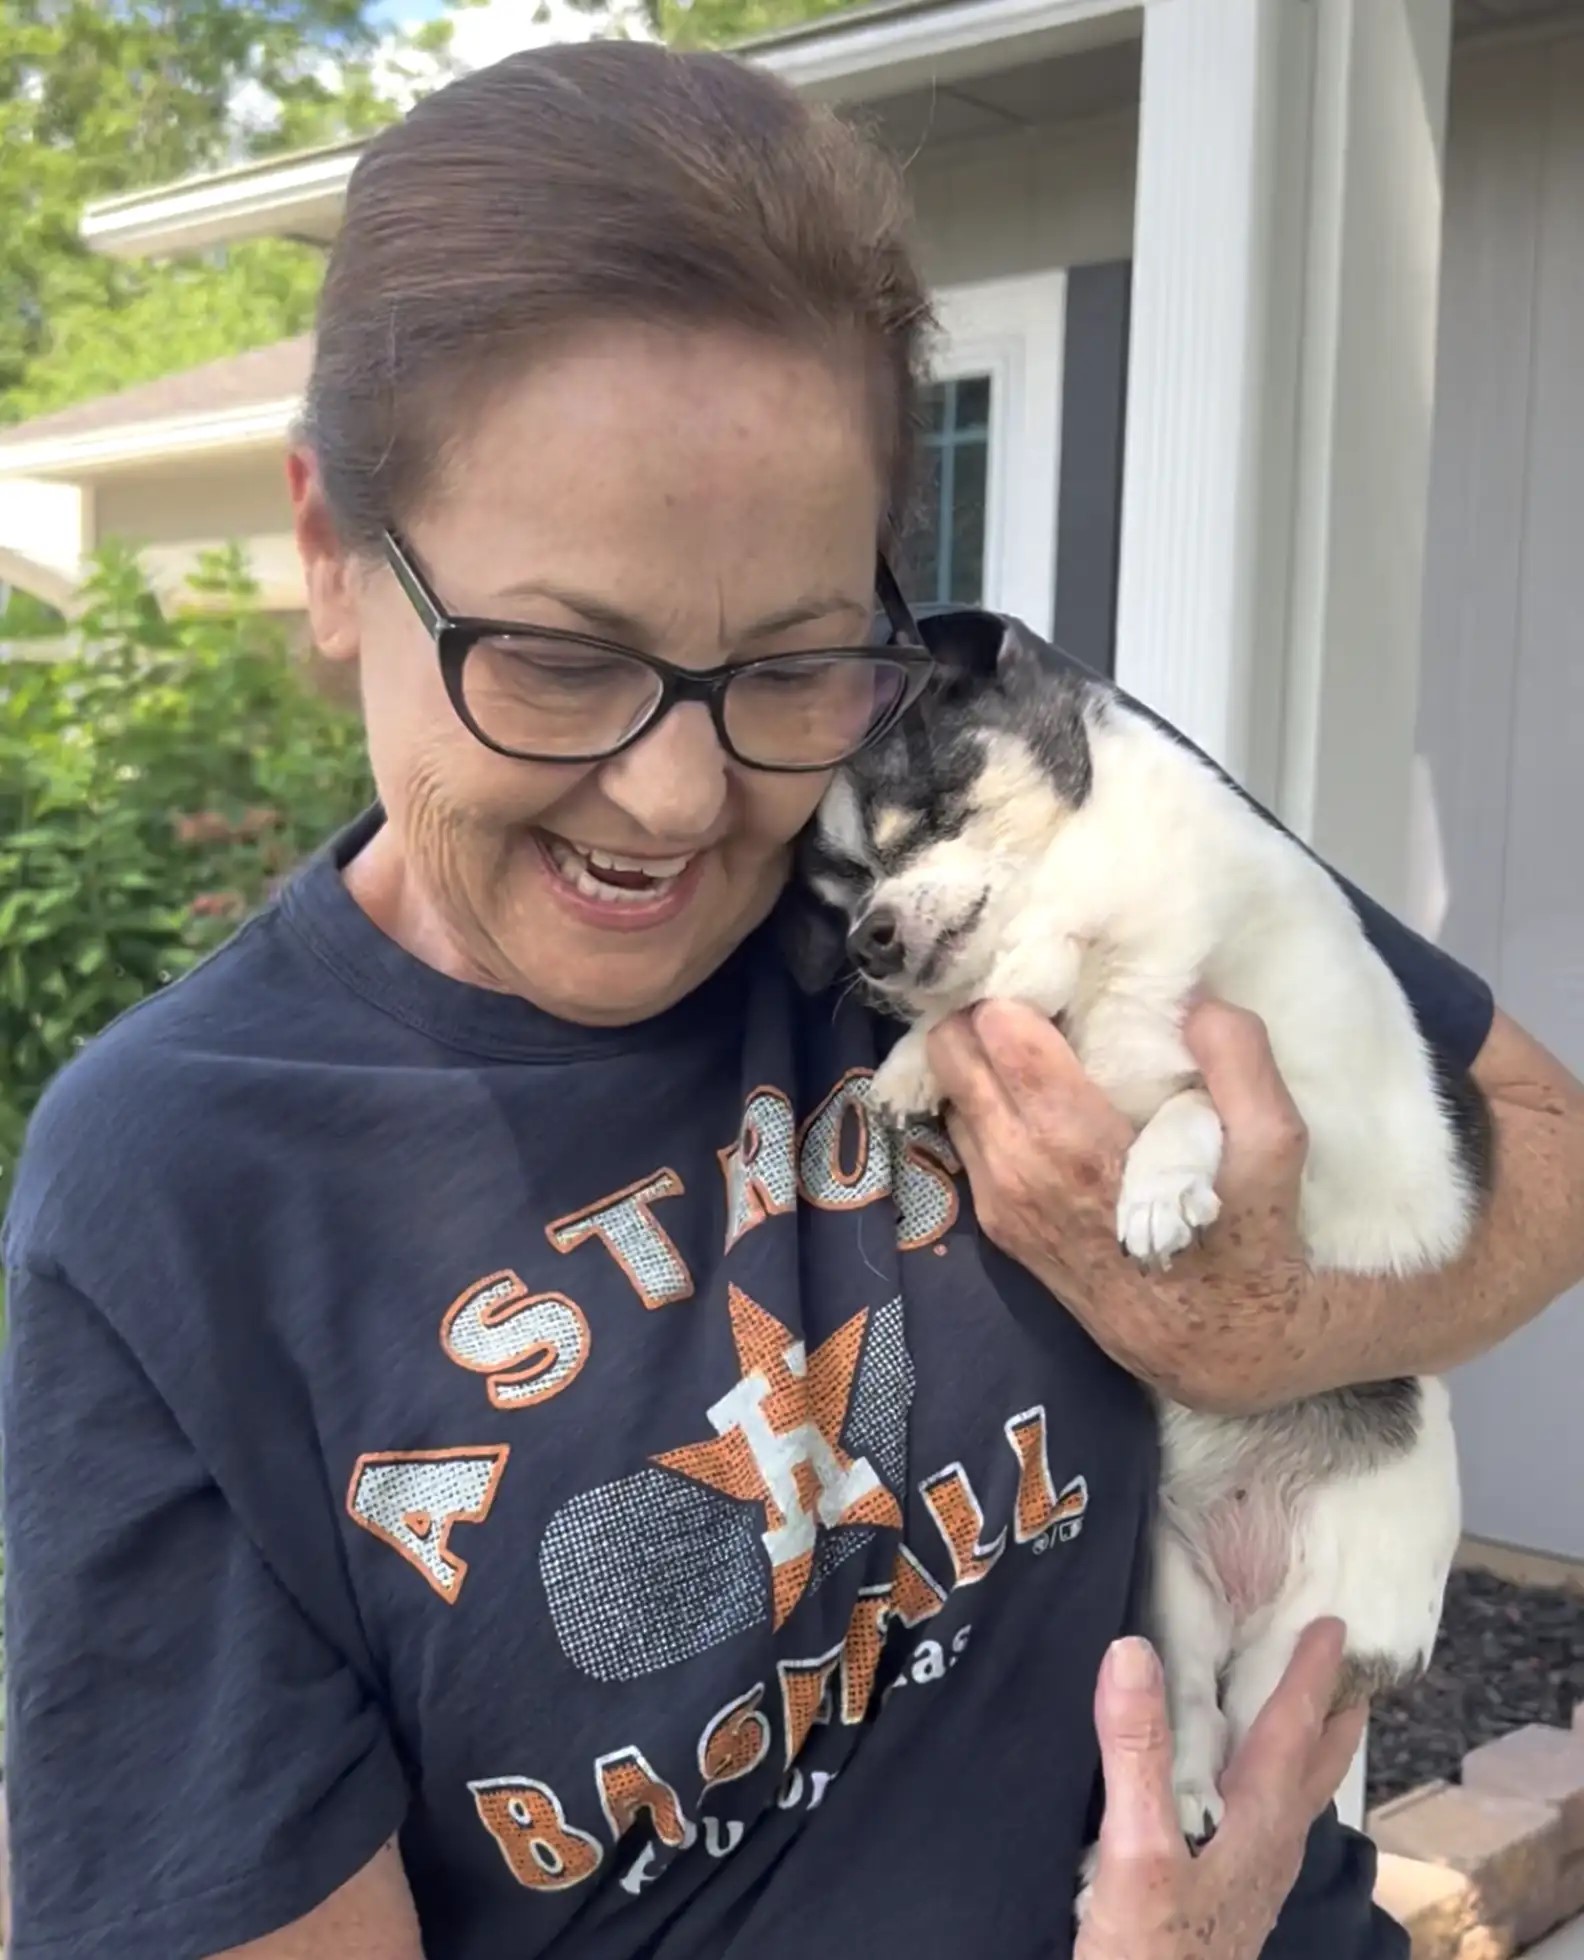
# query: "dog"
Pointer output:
{"type": "Point", "coordinates": [1030, 833]}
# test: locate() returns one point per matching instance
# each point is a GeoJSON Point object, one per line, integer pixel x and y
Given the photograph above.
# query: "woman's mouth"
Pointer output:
{"type": "Point", "coordinates": [627, 890]}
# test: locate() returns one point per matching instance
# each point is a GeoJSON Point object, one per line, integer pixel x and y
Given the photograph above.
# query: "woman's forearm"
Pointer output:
{"type": "Point", "coordinates": [1243, 1323]}
{"type": "Point", "coordinates": [1528, 1248]}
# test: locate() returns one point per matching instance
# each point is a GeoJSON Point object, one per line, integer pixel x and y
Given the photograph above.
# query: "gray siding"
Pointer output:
{"type": "Point", "coordinates": [1502, 699]}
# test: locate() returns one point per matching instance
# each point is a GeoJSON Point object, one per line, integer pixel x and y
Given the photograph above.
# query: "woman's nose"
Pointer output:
{"type": "Point", "coordinates": [673, 782]}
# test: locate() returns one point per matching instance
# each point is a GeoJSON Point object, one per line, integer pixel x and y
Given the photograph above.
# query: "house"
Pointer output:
{"type": "Point", "coordinates": [1261, 382]}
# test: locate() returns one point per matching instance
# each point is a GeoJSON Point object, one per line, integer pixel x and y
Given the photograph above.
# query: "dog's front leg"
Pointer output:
{"type": "Point", "coordinates": [1168, 1192]}
{"type": "Point", "coordinates": [903, 1088]}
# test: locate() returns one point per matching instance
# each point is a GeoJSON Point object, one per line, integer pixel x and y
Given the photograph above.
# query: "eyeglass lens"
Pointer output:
{"type": "Point", "coordinates": [547, 698]}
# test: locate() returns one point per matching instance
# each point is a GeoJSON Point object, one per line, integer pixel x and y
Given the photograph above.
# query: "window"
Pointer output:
{"type": "Point", "coordinates": [946, 561]}
{"type": "Point", "coordinates": [1018, 506]}
{"type": "Point", "coordinates": [985, 529]}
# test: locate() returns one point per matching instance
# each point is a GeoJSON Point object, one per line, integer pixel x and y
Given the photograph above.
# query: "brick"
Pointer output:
{"type": "Point", "coordinates": [1544, 1764]}
{"type": "Point", "coordinates": [1438, 1908]}
{"type": "Point", "coordinates": [1409, 1800]}
{"type": "Point", "coordinates": [1510, 1848]}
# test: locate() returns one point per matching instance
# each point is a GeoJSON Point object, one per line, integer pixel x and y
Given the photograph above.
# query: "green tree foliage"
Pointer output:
{"type": "Point", "coordinates": [154, 785]}
{"type": "Point", "coordinates": [723, 23]}
{"type": "Point", "coordinates": [99, 97]}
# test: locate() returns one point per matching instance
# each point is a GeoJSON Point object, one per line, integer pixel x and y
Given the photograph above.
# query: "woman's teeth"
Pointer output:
{"type": "Point", "coordinates": [615, 880]}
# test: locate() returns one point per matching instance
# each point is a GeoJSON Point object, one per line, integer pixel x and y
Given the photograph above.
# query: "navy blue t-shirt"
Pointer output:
{"type": "Point", "coordinates": [595, 1455]}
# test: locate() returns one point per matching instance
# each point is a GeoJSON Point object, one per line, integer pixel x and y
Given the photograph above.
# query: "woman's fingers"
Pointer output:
{"type": "Point", "coordinates": [1266, 1141]}
{"type": "Point", "coordinates": [1027, 1051]}
{"type": "Point", "coordinates": [1333, 1757]}
{"type": "Point", "coordinates": [1010, 1073]}
{"type": "Point", "coordinates": [1140, 1822]}
{"type": "Point", "coordinates": [967, 1077]}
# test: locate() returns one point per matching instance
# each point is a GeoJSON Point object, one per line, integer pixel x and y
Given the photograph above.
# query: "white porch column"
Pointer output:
{"type": "Point", "coordinates": [1287, 240]}
{"type": "Point", "coordinates": [1286, 251]}
{"type": "Point", "coordinates": [1367, 405]}
{"type": "Point", "coordinates": [1223, 132]}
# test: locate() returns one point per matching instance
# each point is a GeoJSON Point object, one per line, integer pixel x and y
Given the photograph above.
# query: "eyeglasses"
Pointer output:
{"type": "Point", "coordinates": [542, 695]}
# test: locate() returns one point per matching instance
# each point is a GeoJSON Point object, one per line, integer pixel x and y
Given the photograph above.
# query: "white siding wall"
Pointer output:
{"type": "Point", "coordinates": [1502, 698]}
{"type": "Point", "coordinates": [169, 513]}
{"type": "Point", "coordinates": [1029, 201]}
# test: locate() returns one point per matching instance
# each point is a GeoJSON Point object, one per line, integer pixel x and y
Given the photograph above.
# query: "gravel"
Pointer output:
{"type": "Point", "coordinates": [1507, 1655]}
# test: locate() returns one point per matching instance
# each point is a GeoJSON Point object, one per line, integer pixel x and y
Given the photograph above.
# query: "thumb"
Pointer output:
{"type": "Point", "coordinates": [1140, 1818]}
{"type": "Point", "coordinates": [1265, 1138]}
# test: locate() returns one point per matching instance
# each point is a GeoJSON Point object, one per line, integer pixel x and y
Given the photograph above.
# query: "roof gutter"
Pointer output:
{"type": "Point", "coordinates": [139, 445]}
{"type": "Point", "coordinates": [864, 56]}
{"type": "Point", "coordinates": [293, 197]}
{"type": "Point", "coordinates": [877, 54]}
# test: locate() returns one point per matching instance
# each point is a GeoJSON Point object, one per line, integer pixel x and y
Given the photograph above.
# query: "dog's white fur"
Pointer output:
{"type": "Point", "coordinates": [1162, 880]}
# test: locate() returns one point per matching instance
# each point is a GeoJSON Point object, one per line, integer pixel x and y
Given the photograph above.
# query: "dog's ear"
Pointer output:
{"type": "Point", "coordinates": [1022, 659]}
{"type": "Point", "coordinates": [964, 642]}
{"type": "Point", "coordinates": [813, 938]}
{"type": "Point", "coordinates": [975, 649]}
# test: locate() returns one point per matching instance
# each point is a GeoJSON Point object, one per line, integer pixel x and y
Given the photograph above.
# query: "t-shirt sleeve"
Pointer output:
{"type": "Point", "coordinates": [1454, 1007]}
{"type": "Point", "coordinates": [190, 1763]}
{"type": "Point", "coordinates": [1330, 1913]}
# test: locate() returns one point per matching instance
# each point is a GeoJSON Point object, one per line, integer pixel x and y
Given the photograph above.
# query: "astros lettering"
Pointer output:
{"type": "Point", "coordinates": [800, 1452]}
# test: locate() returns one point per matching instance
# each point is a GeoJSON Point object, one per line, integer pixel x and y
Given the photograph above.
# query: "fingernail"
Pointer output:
{"type": "Point", "coordinates": [1133, 1665]}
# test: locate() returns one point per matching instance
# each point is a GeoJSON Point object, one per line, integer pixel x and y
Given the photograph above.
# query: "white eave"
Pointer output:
{"type": "Point", "coordinates": [141, 445]}
{"type": "Point", "coordinates": [874, 52]}
{"type": "Point", "coordinates": [863, 55]}
{"type": "Point", "coordinates": [295, 196]}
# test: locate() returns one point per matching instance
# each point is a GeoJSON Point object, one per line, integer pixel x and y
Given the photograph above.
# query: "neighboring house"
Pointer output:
{"type": "Point", "coordinates": [1193, 277]}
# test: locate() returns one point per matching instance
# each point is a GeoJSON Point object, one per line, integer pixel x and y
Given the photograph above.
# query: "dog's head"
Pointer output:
{"type": "Point", "coordinates": [918, 853]}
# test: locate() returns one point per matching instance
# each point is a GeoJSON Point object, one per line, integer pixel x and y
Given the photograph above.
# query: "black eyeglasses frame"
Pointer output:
{"type": "Point", "coordinates": [455, 634]}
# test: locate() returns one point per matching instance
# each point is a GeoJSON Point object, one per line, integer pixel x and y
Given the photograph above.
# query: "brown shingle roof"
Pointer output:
{"type": "Point", "coordinates": [267, 374]}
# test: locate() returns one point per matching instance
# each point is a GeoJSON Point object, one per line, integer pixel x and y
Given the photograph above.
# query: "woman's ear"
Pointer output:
{"type": "Point", "coordinates": [329, 573]}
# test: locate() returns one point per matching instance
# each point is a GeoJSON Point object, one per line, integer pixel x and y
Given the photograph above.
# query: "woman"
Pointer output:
{"type": "Point", "coordinates": [500, 1459]}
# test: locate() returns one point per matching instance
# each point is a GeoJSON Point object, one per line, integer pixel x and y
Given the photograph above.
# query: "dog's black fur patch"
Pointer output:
{"type": "Point", "coordinates": [992, 676]}
{"type": "Point", "coordinates": [1020, 682]}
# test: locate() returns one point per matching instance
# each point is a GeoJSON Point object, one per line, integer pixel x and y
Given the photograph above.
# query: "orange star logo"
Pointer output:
{"type": "Point", "coordinates": [777, 1442]}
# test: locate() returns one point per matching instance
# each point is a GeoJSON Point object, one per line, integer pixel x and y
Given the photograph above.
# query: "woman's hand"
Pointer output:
{"type": "Point", "coordinates": [1043, 1149]}
{"type": "Point", "coordinates": [1152, 1899]}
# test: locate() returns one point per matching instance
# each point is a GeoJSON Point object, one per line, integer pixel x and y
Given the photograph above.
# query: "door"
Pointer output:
{"type": "Point", "coordinates": [1502, 685]}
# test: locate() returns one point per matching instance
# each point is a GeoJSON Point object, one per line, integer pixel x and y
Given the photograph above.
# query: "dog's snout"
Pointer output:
{"type": "Point", "coordinates": [875, 943]}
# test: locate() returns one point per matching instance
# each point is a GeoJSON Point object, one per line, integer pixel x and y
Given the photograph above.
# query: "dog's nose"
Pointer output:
{"type": "Point", "coordinates": [875, 944]}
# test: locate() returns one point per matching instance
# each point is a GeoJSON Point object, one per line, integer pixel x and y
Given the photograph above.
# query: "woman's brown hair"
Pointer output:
{"type": "Point", "coordinates": [577, 186]}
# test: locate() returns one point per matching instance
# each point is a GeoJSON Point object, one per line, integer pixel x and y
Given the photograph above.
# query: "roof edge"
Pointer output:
{"type": "Point", "coordinates": [862, 55]}
{"type": "Point", "coordinates": [299, 195]}
{"type": "Point", "coordinates": [98, 452]}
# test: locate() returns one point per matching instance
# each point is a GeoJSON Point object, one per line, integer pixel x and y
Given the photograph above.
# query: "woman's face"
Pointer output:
{"type": "Point", "coordinates": [703, 496]}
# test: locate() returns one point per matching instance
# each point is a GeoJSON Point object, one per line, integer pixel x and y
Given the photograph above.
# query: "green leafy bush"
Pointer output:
{"type": "Point", "coordinates": [154, 786]}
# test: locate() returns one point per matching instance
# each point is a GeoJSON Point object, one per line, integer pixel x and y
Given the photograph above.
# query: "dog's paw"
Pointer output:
{"type": "Point", "coordinates": [1086, 1878]}
{"type": "Point", "coordinates": [1199, 1810]}
{"type": "Point", "coordinates": [904, 1089]}
{"type": "Point", "coordinates": [1162, 1208]}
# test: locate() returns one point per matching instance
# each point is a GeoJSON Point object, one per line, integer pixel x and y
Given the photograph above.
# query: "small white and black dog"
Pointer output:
{"type": "Point", "coordinates": [1029, 833]}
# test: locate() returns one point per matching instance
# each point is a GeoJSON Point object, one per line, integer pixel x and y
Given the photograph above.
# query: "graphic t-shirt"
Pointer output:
{"type": "Point", "coordinates": [596, 1455]}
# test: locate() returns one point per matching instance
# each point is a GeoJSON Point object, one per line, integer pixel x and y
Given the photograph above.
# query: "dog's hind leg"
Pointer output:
{"type": "Point", "coordinates": [1193, 1629]}
{"type": "Point", "coordinates": [1372, 1548]}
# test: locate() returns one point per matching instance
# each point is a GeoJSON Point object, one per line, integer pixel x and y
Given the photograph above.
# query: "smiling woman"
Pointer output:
{"type": "Point", "coordinates": [550, 1475]}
